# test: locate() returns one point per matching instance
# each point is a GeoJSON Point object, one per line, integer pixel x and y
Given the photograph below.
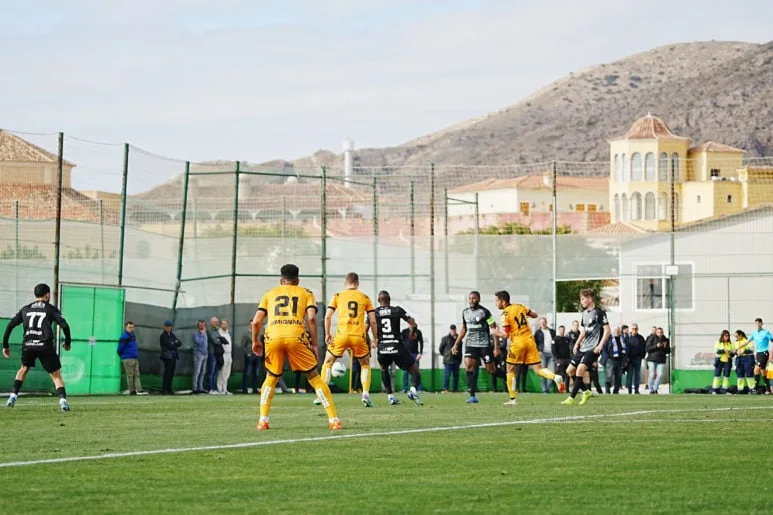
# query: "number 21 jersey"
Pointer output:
{"type": "Point", "coordinates": [286, 307]}
{"type": "Point", "coordinates": [388, 321]}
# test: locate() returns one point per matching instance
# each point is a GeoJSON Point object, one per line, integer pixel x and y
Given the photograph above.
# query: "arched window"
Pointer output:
{"type": "Point", "coordinates": [636, 167]}
{"type": "Point", "coordinates": [618, 168]}
{"type": "Point", "coordinates": [636, 206]}
{"type": "Point", "coordinates": [625, 168]}
{"type": "Point", "coordinates": [663, 207]}
{"type": "Point", "coordinates": [624, 208]}
{"type": "Point", "coordinates": [649, 167]}
{"type": "Point", "coordinates": [617, 207]}
{"type": "Point", "coordinates": [649, 206]}
{"type": "Point", "coordinates": [675, 167]}
{"type": "Point", "coordinates": [663, 168]}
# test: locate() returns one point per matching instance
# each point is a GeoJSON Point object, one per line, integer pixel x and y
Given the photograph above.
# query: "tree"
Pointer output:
{"type": "Point", "coordinates": [515, 257]}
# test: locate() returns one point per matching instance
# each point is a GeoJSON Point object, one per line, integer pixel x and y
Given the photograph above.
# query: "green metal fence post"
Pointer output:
{"type": "Point", "coordinates": [181, 244]}
{"type": "Point", "coordinates": [16, 213]}
{"type": "Point", "coordinates": [102, 238]}
{"type": "Point", "coordinates": [122, 237]}
{"type": "Point", "coordinates": [476, 238]}
{"type": "Point", "coordinates": [234, 242]}
{"type": "Point", "coordinates": [670, 289]}
{"type": "Point", "coordinates": [58, 221]}
{"type": "Point", "coordinates": [375, 234]}
{"type": "Point", "coordinates": [445, 241]}
{"type": "Point", "coordinates": [413, 239]}
{"type": "Point", "coordinates": [323, 236]}
{"type": "Point", "coordinates": [433, 355]}
{"type": "Point", "coordinates": [554, 241]}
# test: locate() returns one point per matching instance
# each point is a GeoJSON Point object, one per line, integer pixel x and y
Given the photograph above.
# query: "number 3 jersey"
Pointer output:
{"type": "Point", "coordinates": [285, 306]}
{"type": "Point", "coordinates": [388, 318]}
{"type": "Point", "coordinates": [352, 306]}
{"type": "Point", "coordinates": [36, 318]}
{"type": "Point", "coordinates": [515, 317]}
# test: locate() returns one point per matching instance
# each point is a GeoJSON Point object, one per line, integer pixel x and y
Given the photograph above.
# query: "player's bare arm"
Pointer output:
{"type": "Point", "coordinates": [12, 324]}
{"type": "Point", "coordinates": [257, 323]}
{"type": "Point", "coordinates": [580, 339]}
{"type": "Point", "coordinates": [604, 338]}
{"type": "Point", "coordinates": [459, 338]}
{"type": "Point", "coordinates": [62, 323]}
{"type": "Point", "coordinates": [373, 329]}
{"type": "Point", "coordinates": [532, 314]}
{"type": "Point", "coordinates": [328, 324]}
{"type": "Point", "coordinates": [311, 318]}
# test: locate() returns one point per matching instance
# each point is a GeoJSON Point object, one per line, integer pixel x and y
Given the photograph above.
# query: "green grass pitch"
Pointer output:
{"type": "Point", "coordinates": [617, 454]}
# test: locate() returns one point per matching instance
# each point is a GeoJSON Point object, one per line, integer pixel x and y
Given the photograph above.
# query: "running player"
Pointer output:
{"type": "Point", "coordinates": [390, 347]}
{"type": "Point", "coordinates": [285, 336]}
{"type": "Point", "coordinates": [523, 347]}
{"type": "Point", "coordinates": [477, 322]}
{"type": "Point", "coordinates": [351, 331]}
{"type": "Point", "coordinates": [38, 343]}
{"type": "Point", "coordinates": [593, 337]}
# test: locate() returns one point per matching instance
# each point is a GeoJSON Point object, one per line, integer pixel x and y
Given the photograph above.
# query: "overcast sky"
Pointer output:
{"type": "Point", "coordinates": [258, 80]}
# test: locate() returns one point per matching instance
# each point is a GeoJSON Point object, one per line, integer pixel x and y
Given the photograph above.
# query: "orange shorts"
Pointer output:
{"type": "Point", "coordinates": [296, 350]}
{"type": "Point", "coordinates": [523, 351]}
{"type": "Point", "coordinates": [342, 342]}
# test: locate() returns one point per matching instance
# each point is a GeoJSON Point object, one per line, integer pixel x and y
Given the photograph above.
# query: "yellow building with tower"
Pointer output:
{"type": "Point", "coordinates": [709, 179]}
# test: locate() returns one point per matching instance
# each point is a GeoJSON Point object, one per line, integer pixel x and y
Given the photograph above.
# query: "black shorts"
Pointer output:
{"type": "Point", "coordinates": [484, 354]}
{"type": "Point", "coordinates": [761, 358]}
{"type": "Point", "coordinates": [45, 353]}
{"type": "Point", "coordinates": [586, 358]}
{"type": "Point", "coordinates": [400, 357]}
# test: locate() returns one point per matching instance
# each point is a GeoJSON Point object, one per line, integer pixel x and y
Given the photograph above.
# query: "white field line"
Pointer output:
{"type": "Point", "coordinates": [398, 432]}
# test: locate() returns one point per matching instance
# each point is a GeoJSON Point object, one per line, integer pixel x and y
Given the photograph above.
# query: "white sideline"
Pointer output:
{"type": "Point", "coordinates": [397, 432]}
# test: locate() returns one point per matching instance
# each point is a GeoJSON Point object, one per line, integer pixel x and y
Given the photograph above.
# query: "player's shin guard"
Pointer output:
{"type": "Point", "coordinates": [61, 393]}
{"type": "Point", "coordinates": [472, 383]}
{"type": "Point", "coordinates": [416, 380]}
{"type": "Point", "coordinates": [324, 395]}
{"type": "Point", "coordinates": [267, 394]}
{"type": "Point", "coordinates": [365, 379]}
{"type": "Point", "coordinates": [326, 372]}
{"type": "Point", "coordinates": [547, 374]}
{"type": "Point", "coordinates": [17, 386]}
{"type": "Point", "coordinates": [511, 384]}
{"type": "Point", "coordinates": [386, 380]}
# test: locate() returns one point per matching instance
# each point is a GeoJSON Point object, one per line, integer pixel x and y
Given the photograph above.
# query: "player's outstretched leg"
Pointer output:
{"type": "Point", "coordinates": [472, 380]}
{"type": "Point", "coordinates": [550, 376]}
{"type": "Point", "coordinates": [324, 395]}
{"type": "Point", "coordinates": [266, 397]}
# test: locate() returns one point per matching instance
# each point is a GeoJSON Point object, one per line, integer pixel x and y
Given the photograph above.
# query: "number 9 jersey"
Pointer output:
{"type": "Point", "coordinates": [285, 306]}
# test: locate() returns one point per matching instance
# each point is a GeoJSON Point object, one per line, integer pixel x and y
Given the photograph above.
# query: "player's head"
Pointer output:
{"type": "Point", "coordinates": [740, 335]}
{"type": "Point", "coordinates": [586, 298]}
{"type": "Point", "coordinates": [289, 274]}
{"type": "Point", "coordinates": [474, 299]}
{"type": "Point", "coordinates": [43, 292]}
{"type": "Point", "coordinates": [383, 298]}
{"type": "Point", "coordinates": [352, 280]}
{"type": "Point", "coordinates": [758, 323]}
{"type": "Point", "coordinates": [502, 298]}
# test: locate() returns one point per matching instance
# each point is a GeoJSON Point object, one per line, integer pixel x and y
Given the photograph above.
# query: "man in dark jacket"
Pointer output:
{"type": "Point", "coordinates": [451, 362]}
{"type": "Point", "coordinates": [562, 353]}
{"type": "Point", "coordinates": [169, 344]}
{"type": "Point", "coordinates": [658, 348]}
{"type": "Point", "coordinates": [636, 350]}
{"type": "Point", "coordinates": [544, 337]}
{"type": "Point", "coordinates": [214, 348]}
{"type": "Point", "coordinates": [615, 351]}
{"type": "Point", "coordinates": [414, 344]}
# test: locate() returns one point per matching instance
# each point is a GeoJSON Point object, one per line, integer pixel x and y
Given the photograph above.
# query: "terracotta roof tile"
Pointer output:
{"type": "Point", "coordinates": [38, 202]}
{"type": "Point", "coordinates": [536, 182]}
{"type": "Point", "coordinates": [650, 127]}
{"type": "Point", "coordinates": [13, 148]}
{"type": "Point", "coordinates": [711, 146]}
{"type": "Point", "coordinates": [618, 228]}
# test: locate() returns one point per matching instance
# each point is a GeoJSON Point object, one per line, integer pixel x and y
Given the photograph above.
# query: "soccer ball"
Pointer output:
{"type": "Point", "coordinates": [338, 369]}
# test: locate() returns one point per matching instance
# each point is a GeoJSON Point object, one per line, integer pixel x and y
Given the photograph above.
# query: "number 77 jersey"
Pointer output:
{"type": "Point", "coordinates": [286, 306]}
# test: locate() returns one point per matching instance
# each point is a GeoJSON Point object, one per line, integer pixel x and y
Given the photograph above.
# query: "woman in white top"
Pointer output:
{"type": "Point", "coordinates": [225, 371]}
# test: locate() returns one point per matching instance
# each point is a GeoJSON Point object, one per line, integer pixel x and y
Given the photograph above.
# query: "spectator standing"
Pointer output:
{"type": "Point", "coordinates": [128, 351]}
{"type": "Point", "coordinates": [652, 336]}
{"type": "Point", "coordinates": [616, 354]}
{"type": "Point", "coordinates": [545, 336]}
{"type": "Point", "coordinates": [225, 370]}
{"type": "Point", "coordinates": [451, 362]}
{"type": "Point", "coordinates": [169, 345]}
{"type": "Point", "coordinates": [636, 352]}
{"type": "Point", "coordinates": [562, 353]}
{"type": "Point", "coordinates": [213, 342]}
{"type": "Point", "coordinates": [200, 355]}
{"type": "Point", "coordinates": [658, 349]}
{"type": "Point", "coordinates": [723, 363]}
{"type": "Point", "coordinates": [414, 344]}
{"type": "Point", "coordinates": [744, 363]}
{"type": "Point", "coordinates": [253, 365]}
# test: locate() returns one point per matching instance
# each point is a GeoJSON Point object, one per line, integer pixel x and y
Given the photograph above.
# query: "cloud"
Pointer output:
{"type": "Point", "coordinates": [260, 80]}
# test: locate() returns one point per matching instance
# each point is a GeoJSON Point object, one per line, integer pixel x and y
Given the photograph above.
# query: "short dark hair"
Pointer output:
{"type": "Point", "coordinates": [758, 320]}
{"type": "Point", "coordinates": [290, 272]}
{"type": "Point", "coordinates": [384, 294]}
{"type": "Point", "coordinates": [475, 292]}
{"type": "Point", "coordinates": [352, 278]}
{"type": "Point", "coordinates": [561, 327]}
{"type": "Point", "coordinates": [502, 295]}
{"type": "Point", "coordinates": [624, 327]}
{"type": "Point", "coordinates": [453, 326]}
{"type": "Point", "coordinates": [128, 323]}
{"type": "Point", "coordinates": [588, 293]}
{"type": "Point", "coordinates": [741, 334]}
{"type": "Point", "coordinates": [41, 290]}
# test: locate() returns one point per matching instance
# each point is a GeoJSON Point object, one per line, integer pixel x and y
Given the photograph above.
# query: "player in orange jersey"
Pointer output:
{"type": "Point", "coordinates": [523, 348]}
{"type": "Point", "coordinates": [353, 306]}
{"type": "Point", "coordinates": [286, 307]}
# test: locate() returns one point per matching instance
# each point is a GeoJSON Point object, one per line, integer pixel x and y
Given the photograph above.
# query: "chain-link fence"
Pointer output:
{"type": "Point", "coordinates": [672, 242]}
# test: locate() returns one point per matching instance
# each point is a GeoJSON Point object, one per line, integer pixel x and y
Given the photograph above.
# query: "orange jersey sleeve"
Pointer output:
{"type": "Point", "coordinates": [515, 318]}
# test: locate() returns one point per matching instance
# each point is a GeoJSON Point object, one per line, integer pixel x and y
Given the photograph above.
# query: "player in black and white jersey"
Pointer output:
{"type": "Point", "coordinates": [38, 342]}
{"type": "Point", "coordinates": [390, 347]}
{"type": "Point", "coordinates": [593, 336]}
{"type": "Point", "coordinates": [477, 322]}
